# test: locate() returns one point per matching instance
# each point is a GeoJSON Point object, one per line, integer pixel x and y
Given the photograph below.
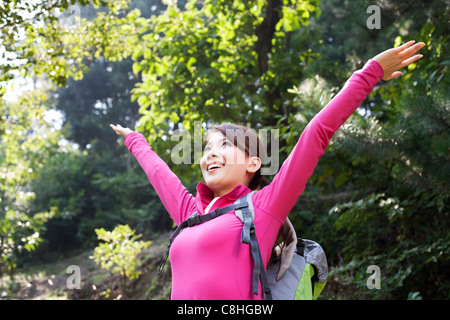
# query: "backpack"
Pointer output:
{"type": "Point", "coordinates": [298, 267]}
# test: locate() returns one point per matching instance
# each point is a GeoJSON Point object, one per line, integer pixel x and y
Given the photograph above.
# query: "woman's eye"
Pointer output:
{"type": "Point", "coordinates": [225, 143]}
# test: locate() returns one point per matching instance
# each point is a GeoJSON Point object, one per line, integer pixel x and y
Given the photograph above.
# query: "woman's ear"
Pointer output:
{"type": "Point", "coordinates": [253, 165]}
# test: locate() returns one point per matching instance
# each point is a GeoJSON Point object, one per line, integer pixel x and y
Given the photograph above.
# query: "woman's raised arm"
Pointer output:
{"type": "Point", "coordinates": [176, 199]}
{"type": "Point", "coordinates": [280, 196]}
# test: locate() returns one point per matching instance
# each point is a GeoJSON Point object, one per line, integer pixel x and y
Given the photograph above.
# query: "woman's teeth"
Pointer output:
{"type": "Point", "coordinates": [214, 166]}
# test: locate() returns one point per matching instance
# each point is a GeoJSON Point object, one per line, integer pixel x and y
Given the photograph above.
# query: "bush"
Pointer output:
{"type": "Point", "coordinates": [119, 252]}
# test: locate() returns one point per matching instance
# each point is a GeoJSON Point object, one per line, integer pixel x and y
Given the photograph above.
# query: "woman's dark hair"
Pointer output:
{"type": "Point", "coordinates": [248, 141]}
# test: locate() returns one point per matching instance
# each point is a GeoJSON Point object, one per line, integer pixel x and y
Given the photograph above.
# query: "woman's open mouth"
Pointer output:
{"type": "Point", "coordinates": [214, 166]}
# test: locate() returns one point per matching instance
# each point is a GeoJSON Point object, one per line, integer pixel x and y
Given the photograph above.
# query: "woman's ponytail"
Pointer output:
{"type": "Point", "coordinates": [258, 181]}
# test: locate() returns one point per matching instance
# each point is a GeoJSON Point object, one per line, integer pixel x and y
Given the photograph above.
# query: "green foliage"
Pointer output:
{"type": "Point", "coordinates": [93, 191]}
{"type": "Point", "coordinates": [391, 163]}
{"type": "Point", "coordinates": [217, 61]}
{"type": "Point", "coordinates": [96, 182]}
{"type": "Point", "coordinates": [19, 232]}
{"type": "Point", "coordinates": [34, 37]}
{"type": "Point", "coordinates": [379, 195]}
{"type": "Point", "coordinates": [206, 61]}
{"type": "Point", "coordinates": [92, 103]}
{"type": "Point", "coordinates": [26, 140]}
{"type": "Point", "coordinates": [120, 252]}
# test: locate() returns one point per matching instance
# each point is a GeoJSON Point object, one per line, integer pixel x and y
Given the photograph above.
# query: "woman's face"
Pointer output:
{"type": "Point", "coordinates": [224, 166]}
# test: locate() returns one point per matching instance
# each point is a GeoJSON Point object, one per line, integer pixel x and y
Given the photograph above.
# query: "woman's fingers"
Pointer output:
{"type": "Point", "coordinates": [411, 50]}
{"type": "Point", "coordinates": [395, 75]}
{"type": "Point", "coordinates": [403, 46]}
{"type": "Point", "coordinates": [408, 61]}
{"type": "Point", "coordinates": [117, 128]}
{"type": "Point", "coordinates": [394, 59]}
{"type": "Point", "coordinates": [121, 131]}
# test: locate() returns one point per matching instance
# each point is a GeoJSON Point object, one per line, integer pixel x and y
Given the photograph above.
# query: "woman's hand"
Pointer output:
{"type": "Point", "coordinates": [121, 131]}
{"type": "Point", "coordinates": [394, 59]}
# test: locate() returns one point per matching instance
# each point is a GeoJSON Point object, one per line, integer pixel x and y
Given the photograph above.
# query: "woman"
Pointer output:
{"type": "Point", "coordinates": [208, 260]}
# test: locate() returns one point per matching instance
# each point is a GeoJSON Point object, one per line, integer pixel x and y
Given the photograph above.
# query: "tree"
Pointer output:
{"type": "Point", "coordinates": [90, 104]}
{"type": "Point", "coordinates": [380, 192]}
{"type": "Point", "coordinates": [220, 60]}
{"type": "Point", "coordinates": [97, 184]}
{"type": "Point", "coordinates": [21, 54]}
{"type": "Point", "coordinates": [26, 140]}
{"type": "Point", "coordinates": [384, 179]}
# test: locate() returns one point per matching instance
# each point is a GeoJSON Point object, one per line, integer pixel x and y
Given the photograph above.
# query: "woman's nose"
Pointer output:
{"type": "Point", "coordinates": [211, 154]}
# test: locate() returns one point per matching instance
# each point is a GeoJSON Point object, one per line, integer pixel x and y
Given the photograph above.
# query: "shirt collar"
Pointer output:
{"type": "Point", "coordinates": [205, 195]}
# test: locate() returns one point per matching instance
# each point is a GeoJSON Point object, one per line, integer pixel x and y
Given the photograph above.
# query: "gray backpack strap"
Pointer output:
{"type": "Point", "coordinates": [247, 214]}
{"type": "Point", "coordinates": [249, 199]}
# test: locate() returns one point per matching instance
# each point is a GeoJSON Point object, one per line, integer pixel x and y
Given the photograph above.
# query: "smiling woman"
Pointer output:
{"type": "Point", "coordinates": [233, 155]}
{"type": "Point", "coordinates": [208, 260]}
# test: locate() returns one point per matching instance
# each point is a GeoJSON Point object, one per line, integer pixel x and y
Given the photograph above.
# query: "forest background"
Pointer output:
{"type": "Point", "coordinates": [71, 195]}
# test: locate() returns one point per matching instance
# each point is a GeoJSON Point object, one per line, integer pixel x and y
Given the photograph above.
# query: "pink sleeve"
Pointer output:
{"type": "Point", "coordinates": [281, 195]}
{"type": "Point", "coordinates": [175, 197]}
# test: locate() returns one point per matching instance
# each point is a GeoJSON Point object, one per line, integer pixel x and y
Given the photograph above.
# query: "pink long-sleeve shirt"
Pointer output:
{"type": "Point", "coordinates": [208, 260]}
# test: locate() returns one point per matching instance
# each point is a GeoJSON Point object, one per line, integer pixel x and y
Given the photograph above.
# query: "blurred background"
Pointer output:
{"type": "Point", "coordinates": [72, 195]}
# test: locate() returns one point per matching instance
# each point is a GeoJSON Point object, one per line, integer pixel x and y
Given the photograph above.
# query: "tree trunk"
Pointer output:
{"type": "Point", "coordinates": [265, 33]}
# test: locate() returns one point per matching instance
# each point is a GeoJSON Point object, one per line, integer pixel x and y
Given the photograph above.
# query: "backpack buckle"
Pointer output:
{"type": "Point", "coordinates": [192, 221]}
